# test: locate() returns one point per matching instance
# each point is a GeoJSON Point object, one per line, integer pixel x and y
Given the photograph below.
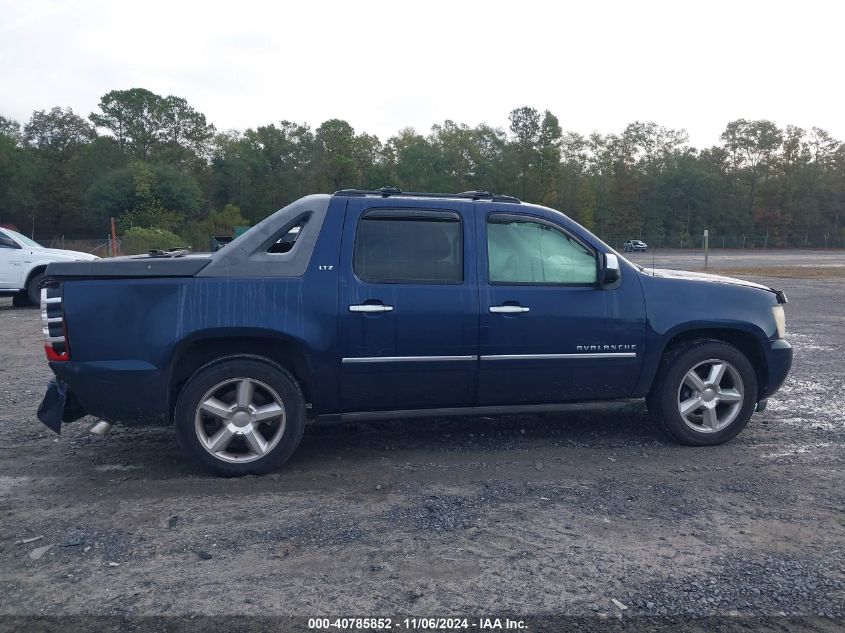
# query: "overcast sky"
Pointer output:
{"type": "Point", "coordinates": [385, 65]}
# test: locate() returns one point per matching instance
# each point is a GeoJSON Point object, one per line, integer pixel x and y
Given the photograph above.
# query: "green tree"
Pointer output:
{"type": "Point", "coordinates": [417, 161]}
{"type": "Point", "coordinates": [183, 126]}
{"type": "Point", "coordinates": [367, 153]}
{"type": "Point", "coordinates": [10, 129]}
{"type": "Point", "coordinates": [17, 183]}
{"type": "Point", "coordinates": [162, 164]}
{"type": "Point", "coordinates": [58, 132]}
{"type": "Point", "coordinates": [136, 240]}
{"type": "Point", "coordinates": [525, 128]}
{"type": "Point", "coordinates": [487, 149]}
{"type": "Point", "coordinates": [263, 169]}
{"type": "Point", "coordinates": [150, 196]}
{"type": "Point", "coordinates": [548, 158]}
{"type": "Point", "coordinates": [336, 153]}
{"type": "Point", "coordinates": [575, 194]}
{"type": "Point", "coordinates": [54, 141]}
{"type": "Point", "coordinates": [453, 143]}
{"type": "Point", "coordinates": [752, 145]}
{"type": "Point", "coordinates": [135, 117]}
{"type": "Point", "coordinates": [218, 222]}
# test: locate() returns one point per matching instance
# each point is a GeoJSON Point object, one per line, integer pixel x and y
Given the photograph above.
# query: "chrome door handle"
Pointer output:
{"type": "Point", "coordinates": [371, 307]}
{"type": "Point", "coordinates": [508, 309]}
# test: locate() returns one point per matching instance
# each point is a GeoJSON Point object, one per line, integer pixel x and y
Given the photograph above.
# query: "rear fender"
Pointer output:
{"type": "Point", "coordinates": [209, 346]}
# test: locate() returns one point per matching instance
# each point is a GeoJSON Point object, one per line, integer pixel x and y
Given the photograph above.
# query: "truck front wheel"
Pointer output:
{"type": "Point", "coordinates": [704, 394]}
{"type": "Point", "coordinates": [240, 417]}
{"type": "Point", "coordinates": [33, 288]}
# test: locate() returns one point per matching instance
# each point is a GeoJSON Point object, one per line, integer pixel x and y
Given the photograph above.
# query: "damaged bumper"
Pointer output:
{"type": "Point", "coordinates": [59, 405]}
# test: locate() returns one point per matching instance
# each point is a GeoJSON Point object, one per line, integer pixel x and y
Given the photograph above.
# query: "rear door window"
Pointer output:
{"type": "Point", "coordinates": [407, 246]}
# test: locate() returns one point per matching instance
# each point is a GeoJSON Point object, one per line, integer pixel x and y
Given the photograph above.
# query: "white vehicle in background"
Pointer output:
{"type": "Point", "coordinates": [23, 262]}
{"type": "Point", "coordinates": [635, 246]}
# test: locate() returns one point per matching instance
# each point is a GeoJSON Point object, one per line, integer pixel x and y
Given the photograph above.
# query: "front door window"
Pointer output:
{"type": "Point", "coordinates": [526, 252]}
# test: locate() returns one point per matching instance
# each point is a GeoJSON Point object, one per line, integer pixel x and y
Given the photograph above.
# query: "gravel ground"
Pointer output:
{"type": "Point", "coordinates": [693, 259]}
{"type": "Point", "coordinates": [532, 515]}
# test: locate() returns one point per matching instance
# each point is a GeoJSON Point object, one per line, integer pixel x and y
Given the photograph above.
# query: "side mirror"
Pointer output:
{"type": "Point", "coordinates": [610, 271]}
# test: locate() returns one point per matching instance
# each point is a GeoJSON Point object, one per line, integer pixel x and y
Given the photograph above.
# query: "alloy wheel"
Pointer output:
{"type": "Point", "coordinates": [240, 420]}
{"type": "Point", "coordinates": [710, 396]}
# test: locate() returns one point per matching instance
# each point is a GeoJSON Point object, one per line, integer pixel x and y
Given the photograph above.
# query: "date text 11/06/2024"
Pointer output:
{"type": "Point", "coordinates": [417, 624]}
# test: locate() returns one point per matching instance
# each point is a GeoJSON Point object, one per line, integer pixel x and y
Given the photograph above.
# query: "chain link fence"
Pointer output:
{"type": "Point", "coordinates": [730, 241]}
{"type": "Point", "coordinates": [100, 246]}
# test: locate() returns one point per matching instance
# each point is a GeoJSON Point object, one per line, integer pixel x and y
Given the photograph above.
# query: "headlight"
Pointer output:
{"type": "Point", "coordinates": [780, 320]}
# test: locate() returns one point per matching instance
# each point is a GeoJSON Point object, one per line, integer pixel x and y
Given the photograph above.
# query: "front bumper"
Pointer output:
{"type": "Point", "coordinates": [778, 364]}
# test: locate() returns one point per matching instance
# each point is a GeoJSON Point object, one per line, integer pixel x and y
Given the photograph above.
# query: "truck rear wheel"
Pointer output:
{"type": "Point", "coordinates": [704, 394]}
{"type": "Point", "coordinates": [241, 416]}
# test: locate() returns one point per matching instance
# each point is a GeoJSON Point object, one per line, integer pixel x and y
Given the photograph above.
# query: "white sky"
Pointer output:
{"type": "Point", "coordinates": [597, 65]}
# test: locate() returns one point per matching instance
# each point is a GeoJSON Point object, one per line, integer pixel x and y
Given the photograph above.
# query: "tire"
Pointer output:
{"type": "Point", "coordinates": [33, 288]}
{"type": "Point", "coordinates": [231, 416]}
{"type": "Point", "coordinates": [717, 405]}
{"type": "Point", "coordinates": [21, 300]}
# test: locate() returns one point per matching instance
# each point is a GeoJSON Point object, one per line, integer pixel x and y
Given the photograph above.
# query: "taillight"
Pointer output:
{"type": "Point", "coordinates": [53, 325]}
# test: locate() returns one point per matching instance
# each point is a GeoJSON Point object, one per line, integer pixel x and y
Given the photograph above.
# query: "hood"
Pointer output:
{"type": "Point", "coordinates": [59, 253]}
{"type": "Point", "coordinates": [707, 277]}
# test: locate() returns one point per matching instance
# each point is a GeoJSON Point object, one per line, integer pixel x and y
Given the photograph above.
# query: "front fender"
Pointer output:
{"type": "Point", "coordinates": [39, 265]}
{"type": "Point", "coordinates": [679, 307]}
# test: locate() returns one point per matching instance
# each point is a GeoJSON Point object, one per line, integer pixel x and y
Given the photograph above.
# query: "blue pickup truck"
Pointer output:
{"type": "Point", "coordinates": [384, 304]}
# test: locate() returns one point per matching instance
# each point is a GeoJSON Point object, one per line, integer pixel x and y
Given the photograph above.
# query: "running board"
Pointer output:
{"type": "Point", "coordinates": [448, 412]}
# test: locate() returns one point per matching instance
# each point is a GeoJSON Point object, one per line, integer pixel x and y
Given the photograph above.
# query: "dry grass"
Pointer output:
{"type": "Point", "coordinates": [787, 272]}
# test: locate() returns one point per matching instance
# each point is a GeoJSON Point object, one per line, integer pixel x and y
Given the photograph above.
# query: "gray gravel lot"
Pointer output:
{"type": "Point", "coordinates": [546, 514]}
{"type": "Point", "coordinates": [692, 259]}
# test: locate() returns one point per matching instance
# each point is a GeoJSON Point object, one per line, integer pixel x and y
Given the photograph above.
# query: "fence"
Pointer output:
{"type": "Point", "coordinates": [100, 246]}
{"type": "Point", "coordinates": [729, 241]}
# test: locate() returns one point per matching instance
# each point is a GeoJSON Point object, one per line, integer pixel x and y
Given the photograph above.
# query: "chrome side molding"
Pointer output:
{"type": "Point", "coordinates": [558, 356]}
{"type": "Point", "coordinates": [407, 359]}
{"type": "Point", "coordinates": [430, 359]}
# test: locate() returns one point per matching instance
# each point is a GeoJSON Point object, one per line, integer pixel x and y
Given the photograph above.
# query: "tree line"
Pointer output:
{"type": "Point", "coordinates": [155, 162]}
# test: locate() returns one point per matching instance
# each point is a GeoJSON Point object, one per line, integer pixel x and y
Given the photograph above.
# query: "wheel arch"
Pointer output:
{"type": "Point", "coordinates": [200, 352]}
{"type": "Point", "coordinates": [34, 270]}
{"type": "Point", "coordinates": [745, 340]}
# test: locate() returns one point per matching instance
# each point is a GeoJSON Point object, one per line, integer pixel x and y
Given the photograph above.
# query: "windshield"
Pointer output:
{"type": "Point", "coordinates": [23, 239]}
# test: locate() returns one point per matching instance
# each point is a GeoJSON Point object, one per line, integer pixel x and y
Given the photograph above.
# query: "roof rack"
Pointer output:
{"type": "Point", "coordinates": [387, 192]}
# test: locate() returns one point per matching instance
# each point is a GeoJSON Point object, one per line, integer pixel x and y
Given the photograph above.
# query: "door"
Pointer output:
{"type": "Point", "coordinates": [11, 269]}
{"type": "Point", "coordinates": [409, 306]}
{"type": "Point", "coordinates": [549, 331]}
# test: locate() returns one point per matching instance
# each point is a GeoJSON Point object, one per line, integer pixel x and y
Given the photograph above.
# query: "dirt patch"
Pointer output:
{"type": "Point", "coordinates": [544, 514]}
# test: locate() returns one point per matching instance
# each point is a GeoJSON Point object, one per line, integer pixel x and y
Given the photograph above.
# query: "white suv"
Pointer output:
{"type": "Point", "coordinates": [23, 262]}
{"type": "Point", "coordinates": [633, 246]}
